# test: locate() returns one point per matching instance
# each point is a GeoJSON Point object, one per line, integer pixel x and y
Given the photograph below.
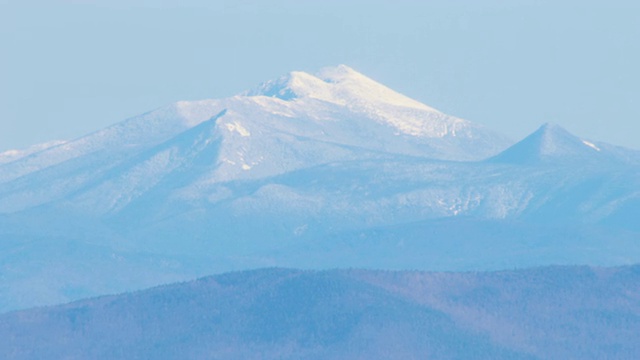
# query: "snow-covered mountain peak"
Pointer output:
{"type": "Point", "coordinates": [294, 85]}
{"type": "Point", "coordinates": [354, 85]}
{"type": "Point", "coordinates": [338, 73]}
{"type": "Point", "coordinates": [339, 85]}
{"type": "Point", "coordinates": [348, 94]}
{"type": "Point", "coordinates": [552, 143]}
{"type": "Point", "coordinates": [553, 139]}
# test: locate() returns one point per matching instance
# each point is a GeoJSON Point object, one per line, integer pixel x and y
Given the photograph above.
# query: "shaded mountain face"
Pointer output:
{"type": "Point", "coordinates": [355, 314]}
{"type": "Point", "coordinates": [315, 171]}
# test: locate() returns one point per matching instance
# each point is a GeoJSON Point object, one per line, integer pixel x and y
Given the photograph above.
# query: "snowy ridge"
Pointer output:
{"type": "Point", "coordinates": [15, 154]}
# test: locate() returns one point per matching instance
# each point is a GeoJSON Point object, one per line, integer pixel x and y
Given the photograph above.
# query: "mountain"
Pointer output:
{"type": "Point", "coordinates": [341, 108]}
{"type": "Point", "coordinates": [306, 171]}
{"type": "Point", "coordinates": [339, 116]}
{"type": "Point", "coordinates": [553, 144]}
{"type": "Point", "coordinates": [542, 313]}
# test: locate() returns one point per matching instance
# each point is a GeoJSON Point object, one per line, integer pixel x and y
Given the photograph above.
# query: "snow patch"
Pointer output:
{"type": "Point", "coordinates": [235, 126]}
{"type": "Point", "coordinates": [591, 145]}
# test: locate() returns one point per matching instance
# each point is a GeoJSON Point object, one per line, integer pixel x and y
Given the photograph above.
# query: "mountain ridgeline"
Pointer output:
{"type": "Point", "coordinates": [306, 171]}
{"type": "Point", "coordinates": [544, 313]}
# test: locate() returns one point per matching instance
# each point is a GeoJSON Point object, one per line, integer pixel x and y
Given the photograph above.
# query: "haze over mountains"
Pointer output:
{"type": "Point", "coordinates": [321, 171]}
{"type": "Point", "coordinates": [548, 313]}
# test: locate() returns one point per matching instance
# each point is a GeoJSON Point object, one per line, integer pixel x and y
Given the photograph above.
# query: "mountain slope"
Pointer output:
{"type": "Point", "coordinates": [291, 314]}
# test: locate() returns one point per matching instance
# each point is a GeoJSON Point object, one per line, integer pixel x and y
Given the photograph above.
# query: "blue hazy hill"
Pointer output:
{"type": "Point", "coordinates": [541, 313]}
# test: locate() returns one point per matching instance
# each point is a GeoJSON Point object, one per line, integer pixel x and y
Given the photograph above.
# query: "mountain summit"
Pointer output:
{"type": "Point", "coordinates": [349, 90]}
{"type": "Point", "coordinates": [340, 85]}
{"type": "Point", "coordinates": [553, 144]}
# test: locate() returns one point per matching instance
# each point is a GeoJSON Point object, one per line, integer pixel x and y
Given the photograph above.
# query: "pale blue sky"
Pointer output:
{"type": "Point", "coordinates": [71, 67]}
